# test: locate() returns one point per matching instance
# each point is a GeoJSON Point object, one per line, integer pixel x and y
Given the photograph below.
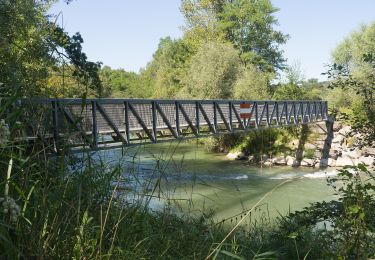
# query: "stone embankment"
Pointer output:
{"type": "Point", "coordinates": [329, 145]}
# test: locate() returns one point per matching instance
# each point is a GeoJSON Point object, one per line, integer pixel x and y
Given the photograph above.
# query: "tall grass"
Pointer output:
{"type": "Point", "coordinates": [89, 207]}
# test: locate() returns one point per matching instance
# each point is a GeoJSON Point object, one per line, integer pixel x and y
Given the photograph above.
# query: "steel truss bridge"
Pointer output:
{"type": "Point", "coordinates": [109, 123]}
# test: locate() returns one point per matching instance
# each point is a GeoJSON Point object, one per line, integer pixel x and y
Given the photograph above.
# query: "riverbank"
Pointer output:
{"type": "Point", "coordinates": [335, 147]}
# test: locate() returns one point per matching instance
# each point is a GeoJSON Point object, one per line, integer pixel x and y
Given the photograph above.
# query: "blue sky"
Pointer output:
{"type": "Point", "coordinates": [125, 33]}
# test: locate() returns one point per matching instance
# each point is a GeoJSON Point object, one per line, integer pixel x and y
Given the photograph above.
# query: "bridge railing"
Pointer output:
{"type": "Point", "coordinates": [103, 123]}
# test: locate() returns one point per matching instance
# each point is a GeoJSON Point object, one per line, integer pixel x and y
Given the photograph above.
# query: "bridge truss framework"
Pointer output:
{"type": "Point", "coordinates": [109, 123]}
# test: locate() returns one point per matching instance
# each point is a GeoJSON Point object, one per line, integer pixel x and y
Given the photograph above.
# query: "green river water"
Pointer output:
{"type": "Point", "coordinates": [195, 179]}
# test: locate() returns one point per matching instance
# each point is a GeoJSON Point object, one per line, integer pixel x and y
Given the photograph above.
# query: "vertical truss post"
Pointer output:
{"type": "Point", "coordinates": [94, 124]}
{"type": "Point", "coordinates": [267, 113]}
{"type": "Point", "coordinates": [154, 120]}
{"type": "Point", "coordinates": [325, 110]}
{"type": "Point", "coordinates": [277, 113]}
{"type": "Point", "coordinates": [314, 110]}
{"type": "Point", "coordinates": [295, 118]}
{"type": "Point", "coordinates": [197, 123]}
{"type": "Point", "coordinates": [287, 116]}
{"type": "Point", "coordinates": [256, 115]}
{"type": "Point", "coordinates": [321, 109]}
{"type": "Point", "coordinates": [215, 118]}
{"type": "Point", "coordinates": [230, 116]}
{"type": "Point", "coordinates": [177, 104]}
{"type": "Point", "coordinates": [309, 111]}
{"type": "Point", "coordinates": [126, 119]}
{"type": "Point", "coordinates": [55, 122]}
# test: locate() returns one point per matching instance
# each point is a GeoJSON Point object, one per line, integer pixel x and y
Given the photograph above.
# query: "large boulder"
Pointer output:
{"type": "Point", "coordinates": [368, 151]}
{"type": "Point", "coordinates": [251, 159]}
{"type": "Point", "coordinates": [345, 160]}
{"type": "Point", "coordinates": [308, 162]}
{"type": "Point", "coordinates": [236, 156]}
{"type": "Point", "coordinates": [368, 160]}
{"type": "Point", "coordinates": [310, 146]}
{"type": "Point", "coordinates": [354, 154]}
{"type": "Point", "coordinates": [280, 160]}
{"type": "Point", "coordinates": [345, 130]}
{"type": "Point", "coordinates": [334, 154]}
{"type": "Point", "coordinates": [290, 160]}
{"type": "Point", "coordinates": [267, 163]}
{"type": "Point", "coordinates": [338, 139]}
{"type": "Point", "coordinates": [337, 126]}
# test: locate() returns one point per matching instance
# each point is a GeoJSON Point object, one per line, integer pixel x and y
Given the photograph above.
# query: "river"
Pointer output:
{"type": "Point", "coordinates": [193, 179]}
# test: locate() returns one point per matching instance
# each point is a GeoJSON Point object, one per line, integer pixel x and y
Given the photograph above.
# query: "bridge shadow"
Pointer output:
{"type": "Point", "coordinates": [301, 144]}
{"type": "Point", "coordinates": [327, 143]}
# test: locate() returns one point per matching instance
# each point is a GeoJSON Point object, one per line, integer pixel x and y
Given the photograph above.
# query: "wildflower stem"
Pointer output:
{"type": "Point", "coordinates": [6, 192]}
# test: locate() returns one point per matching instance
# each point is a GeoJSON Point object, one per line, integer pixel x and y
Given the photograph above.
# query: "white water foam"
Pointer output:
{"type": "Point", "coordinates": [315, 175]}
{"type": "Point", "coordinates": [241, 177]}
{"type": "Point", "coordinates": [285, 176]}
{"type": "Point", "coordinates": [320, 174]}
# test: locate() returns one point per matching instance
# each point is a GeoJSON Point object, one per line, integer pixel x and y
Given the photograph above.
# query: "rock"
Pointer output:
{"type": "Point", "coordinates": [368, 151]}
{"type": "Point", "coordinates": [334, 154]}
{"type": "Point", "coordinates": [338, 139]}
{"type": "Point", "coordinates": [368, 160]}
{"type": "Point", "coordinates": [236, 156]}
{"type": "Point", "coordinates": [267, 163]}
{"type": "Point", "coordinates": [354, 154]}
{"type": "Point", "coordinates": [344, 160]}
{"type": "Point", "coordinates": [279, 161]}
{"type": "Point", "coordinates": [336, 147]}
{"type": "Point", "coordinates": [290, 160]}
{"type": "Point", "coordinates": [310, 146]}
{"type": "Point", "coordinates": [251, 159]}
{"type": "Point", "coordinates": [337, 126]}
{"type": "Point", "coordinates": [308, 162]}
{"type": "Point", "coordinates": [317, 154]}
{"type": "Point", "coordinates": [345, 130]}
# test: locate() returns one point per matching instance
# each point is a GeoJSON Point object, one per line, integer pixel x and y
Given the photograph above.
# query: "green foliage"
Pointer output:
{"type": "Point", "coordinates": [122, 84]}
{"type": "Point", "coordinates": [289, 92]}
{"type": "Point", "coordinates": [354, 71]}
{"type": "Point", "coordinates": [309, 153]}
{"type": "Point", "coordinates": [30, 44]}
{"type": "Point", "coordinates": [168, 67]}
{"type": "Point", "coordinates": [363, 116]}
{"type": "Point", "coordinates": [350, 219]}
{"type": "Point", "coordinates": [251, 84]}
{"type": "Point", "coordinates": [201, 21]}
{"type": "Point", "coordinates": [212, 72]}
{"type": "Point", "coordinates": [349, 53]}
{"type": "Point", "coordinates": [248, 24]}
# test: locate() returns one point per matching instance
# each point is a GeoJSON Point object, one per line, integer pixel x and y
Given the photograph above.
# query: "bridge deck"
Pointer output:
{"type": "Point", "coordinates": [103, 123]}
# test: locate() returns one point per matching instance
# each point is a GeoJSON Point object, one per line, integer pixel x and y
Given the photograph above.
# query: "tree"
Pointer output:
{"type": "Point", "coordinates": [168, 67]}
{"type": "Point", "coordinates": [30, 45]}
{"type": "Point", "coordinates": [251, 84]}
{"type": "Point", "coordinates": [354, 70]}
{"type": "Point", "coordinates": [201, 21]}
{"type": "Point", "coordinates": [212, 72]}
{"type": "Point", "coordinates": [247, 24]}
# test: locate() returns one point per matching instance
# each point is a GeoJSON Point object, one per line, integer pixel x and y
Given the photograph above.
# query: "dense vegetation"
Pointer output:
{"type": "Point", "coordinates": [69, 206]}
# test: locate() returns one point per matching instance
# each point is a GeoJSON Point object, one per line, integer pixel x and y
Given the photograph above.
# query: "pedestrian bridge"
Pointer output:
{"type": "Point", "coordinates": [109, 123]}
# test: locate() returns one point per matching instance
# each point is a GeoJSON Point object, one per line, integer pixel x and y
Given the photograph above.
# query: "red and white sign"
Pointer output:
{"type": "Point", "coordinates": [245, 110]}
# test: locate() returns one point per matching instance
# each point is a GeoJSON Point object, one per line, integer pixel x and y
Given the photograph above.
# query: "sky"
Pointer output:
{"type": "Point", "coordinates": [125, 33]}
